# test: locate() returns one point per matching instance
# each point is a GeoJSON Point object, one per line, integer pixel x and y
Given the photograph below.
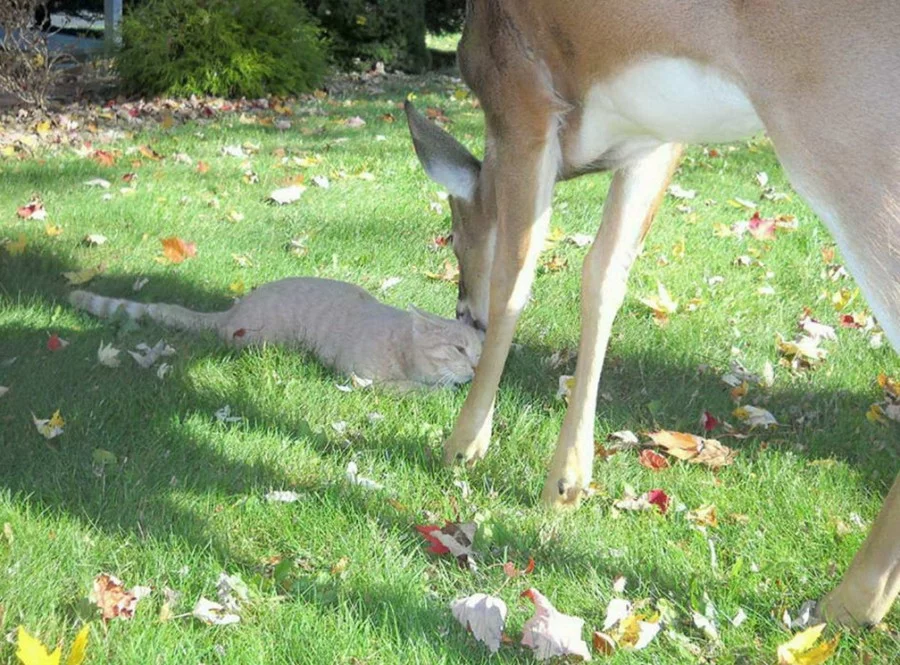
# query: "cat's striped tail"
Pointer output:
{"type": "Point", "coordinates": [172, 316]}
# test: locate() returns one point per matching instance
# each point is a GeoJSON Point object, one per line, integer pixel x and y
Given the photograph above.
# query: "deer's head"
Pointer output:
{"type": "Point", "coordinates": [449, 164]}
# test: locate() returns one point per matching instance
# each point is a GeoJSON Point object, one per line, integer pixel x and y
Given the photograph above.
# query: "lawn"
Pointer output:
{"type": "Point", "coordinates": [147, 484]}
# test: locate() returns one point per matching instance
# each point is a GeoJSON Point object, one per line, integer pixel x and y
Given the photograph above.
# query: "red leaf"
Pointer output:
{"type": "Point", "coordinates": [653, 460]}
{"type": "Point", "coordinates": [708, 421]}
{"type": "Point", "coordinates": [436, 546]}
{"type": "Point", "coordinates": [511, 571]}
{"type": "Point", "coordinates": [240, 332]}
{"type": "Point", "coordinates": [54, 343]}
{"type": "Point", "coordinates": [660, 499]}
{"type": "Point", "coordinates": [104, 158]}
{"type": "Point", "coordinates": [761, 229]}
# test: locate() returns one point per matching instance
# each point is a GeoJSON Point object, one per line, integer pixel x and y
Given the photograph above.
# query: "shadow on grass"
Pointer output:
{"type": "Point", "coordinates": [167, 456]}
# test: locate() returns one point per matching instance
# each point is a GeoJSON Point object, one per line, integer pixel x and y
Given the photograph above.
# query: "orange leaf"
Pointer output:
{"type": "Point", "coordinates": [653, 460]}
{"type": "Point", "coordinates": [177, 250]}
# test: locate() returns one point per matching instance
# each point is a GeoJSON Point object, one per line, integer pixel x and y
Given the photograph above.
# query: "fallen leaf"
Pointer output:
{"type": "Point", "coordinates": [450, 273]}
{"type": "Point", "coordinates": [231, 590]}
{"type": "Point", "coordinates": [213, 614]}
{"type": "Point", "coordinates": [661, 304]}
{"type": "Point", "coordinates": [802, 650]}
{"type": "Point", "coordinates": [16, 247]}
{"type": "Point", "coordinates": [79, 647]}
{"type": "Point", "coordinates": [51, 427]}
{"type": "Point", "coordinates": [761, 229]}
{"type": "Point", "coordinates": [98, 182]}
{"type": "Point", "coordinates": [708, 421]}
{"type": "Point", "coordinates": [33, 210]}
{"type": "Point", "coordinates": [510, 568]}
{"type": "Point", "coordinates": [454, 538]}
{"type": "Point", "coordinates": [551, 633]}
{"type": "Point", "coordinates": [355, 122]}
{"type": "Point", "coordinates": [755, 416]}
{"type": "Point", "coordinates": [146, 357]}
{"type": "Point", "coordinates": [55, 343]}
{"type": "Point", "coordinates": [634, 633]}
{"type": "Point", "coordinates": [653, 460]}
{"type": "Point", "coordinates": [706, 624]}
{"type": "Point", "coordinates": [287, 195]}
{"type": "Point", "coordinates": [482, 615]}
{"type": "Point", "coordinates": [281, 496]}
{"type": "Point", "coordinates": [103, 157]}
{"type": "Point", "coordinates": [580, 239]}
{"type": "Point", "coordinates": [237, 287]}
{"type": "Point", "coordinates": [177, 250]}
{"type": "Point", "coordinates": [150, 153]}
{"type": "Point", "coordinates": [631, 501]}
{"type": "Point", "coordinates": [603, 643]}
{"type": "Point", "coordinates": [202, 167]}
{"type": "Point", "coordinates": [678, 192]}
{"type": "Point", "coordinates": [566, 384]}
{"type": "Point", "coordinates": [817, 330]}
{"type": "Point", "coordinates": [53, 230]}
{"type": "Point", "coordinates": [83, 276]}
{"type": "Point", "coordinates": [114, 601]}
{"type": "Point", "coordinates": [659, 499]}
{"type": "Point", "coordinates": [3, 390]}
{"type": "Point", "coordinates": [694, 449]}
{"type": "Point", "coordinates": [94, 239]}
{"type": "Point", "coordinates": [802, 353]}
{"type": "Point", "coordinates": [616, 610]}
{"type": "Point", "coordinates": [703, 516]}
{"type": "Point", "coordinates": [30, 650]}
{"type": "Point", "coordinates": [354, 478]}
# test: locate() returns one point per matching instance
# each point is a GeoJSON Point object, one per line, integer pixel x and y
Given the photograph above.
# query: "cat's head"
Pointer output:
{"type": "Point", "coordinates": [445, 351]}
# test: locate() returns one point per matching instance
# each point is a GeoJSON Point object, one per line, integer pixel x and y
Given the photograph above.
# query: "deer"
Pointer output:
{"type": "Point", "coordinates": [570, 87]}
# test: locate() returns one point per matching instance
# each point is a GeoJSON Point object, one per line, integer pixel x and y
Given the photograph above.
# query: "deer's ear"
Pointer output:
{"type": "Point", "coordinates": [444, 158]}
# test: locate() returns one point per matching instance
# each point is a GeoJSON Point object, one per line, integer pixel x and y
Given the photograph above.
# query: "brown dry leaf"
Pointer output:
{"type": "Point", "coordinates": [112, 598]}
{"type": "Point", "coordinates": [703, 516]}
{"type": "Point", "coordinates": [150, 153]}
{"type": "Point", "coordinates": [694, 449]}
{"type": "Point", "coordinates": [450, 273]}
{"type": "Point", "coordinates": [177, 250]}
{"type": "Point", "coordinates": [104, 157]}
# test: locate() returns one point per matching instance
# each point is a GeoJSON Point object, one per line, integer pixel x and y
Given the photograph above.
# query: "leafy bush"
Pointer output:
{"type": "Point", "coordinates": [220, 47]}
{"type": "Point", "coordinates": [443, 16]}
{"type": "Point", "coordinates": [392, 31]}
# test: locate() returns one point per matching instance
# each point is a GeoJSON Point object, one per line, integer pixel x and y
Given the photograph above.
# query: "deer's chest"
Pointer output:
{"type": "Point", "coordinates": [656, 101]}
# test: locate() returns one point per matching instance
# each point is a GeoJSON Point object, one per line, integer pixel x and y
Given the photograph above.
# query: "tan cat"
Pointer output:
{"type": "Point", "coordinates": [340, 323]}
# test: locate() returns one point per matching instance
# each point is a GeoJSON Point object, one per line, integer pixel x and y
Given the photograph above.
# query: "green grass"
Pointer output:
{"type": "Point", "coordinates": [185, 499]}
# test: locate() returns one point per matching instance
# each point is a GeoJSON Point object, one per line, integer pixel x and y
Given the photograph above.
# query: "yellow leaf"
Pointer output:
{"type": "Point", "coordinates": [361, 20]}
{"type": "Point", "coordinates": [53, 230]}
{"type": "Point", "coordinates": [83, 276]}
{"type": "Point", "coordinates": [237, 287]}
{"type": "Point", "coordinates": [875, 414]}
{"type": "Point", "coordinates": [14, 248]}
{"type": "Point", "coordinates": [168, 121]}
{"type": "Point", "coordinates": [678, 249]}
{"type": "Point", "coordinates": [553, 237]}
{"type": "Point", "coordinates": [32, 652]}
{"type": "Point", "coordinates": [79, 647]}
{"type": "Point", "coordinates": [43, 127]}
{"type": "Point", "coordinates": [799, 650]}
{"type": "Point", "coordinates": [661, 304]}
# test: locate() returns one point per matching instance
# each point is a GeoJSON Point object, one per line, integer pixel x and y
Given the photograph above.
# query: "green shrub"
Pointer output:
{"type": "Point", "coordinates": [220, 47]}
{"type": "Point", "coordinates": [443, 16]}
{"type": "Point", "coordinates": [392, 31]}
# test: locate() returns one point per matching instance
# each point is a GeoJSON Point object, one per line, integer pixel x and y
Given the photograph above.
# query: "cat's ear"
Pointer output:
{"type": "Point", "coordinates": [444, 159]}
{"type": "Point", "coordinates": [424, 322]}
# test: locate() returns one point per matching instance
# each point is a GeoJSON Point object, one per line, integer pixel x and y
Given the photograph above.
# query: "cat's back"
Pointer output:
{"type": "Point", "coordinates": [324, 315]}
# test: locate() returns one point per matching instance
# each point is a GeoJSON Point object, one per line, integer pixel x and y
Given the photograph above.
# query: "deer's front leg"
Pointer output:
{"type": "Point", "coordinates": [633, 198]}
{"type": "Point", "coordinates": [523, 170]}
{"type": "Point", "coordinates": [872, 583]}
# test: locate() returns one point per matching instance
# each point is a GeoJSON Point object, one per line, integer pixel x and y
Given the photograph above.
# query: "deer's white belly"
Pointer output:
{"type": "Point", "coordinates": [657, 101]}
